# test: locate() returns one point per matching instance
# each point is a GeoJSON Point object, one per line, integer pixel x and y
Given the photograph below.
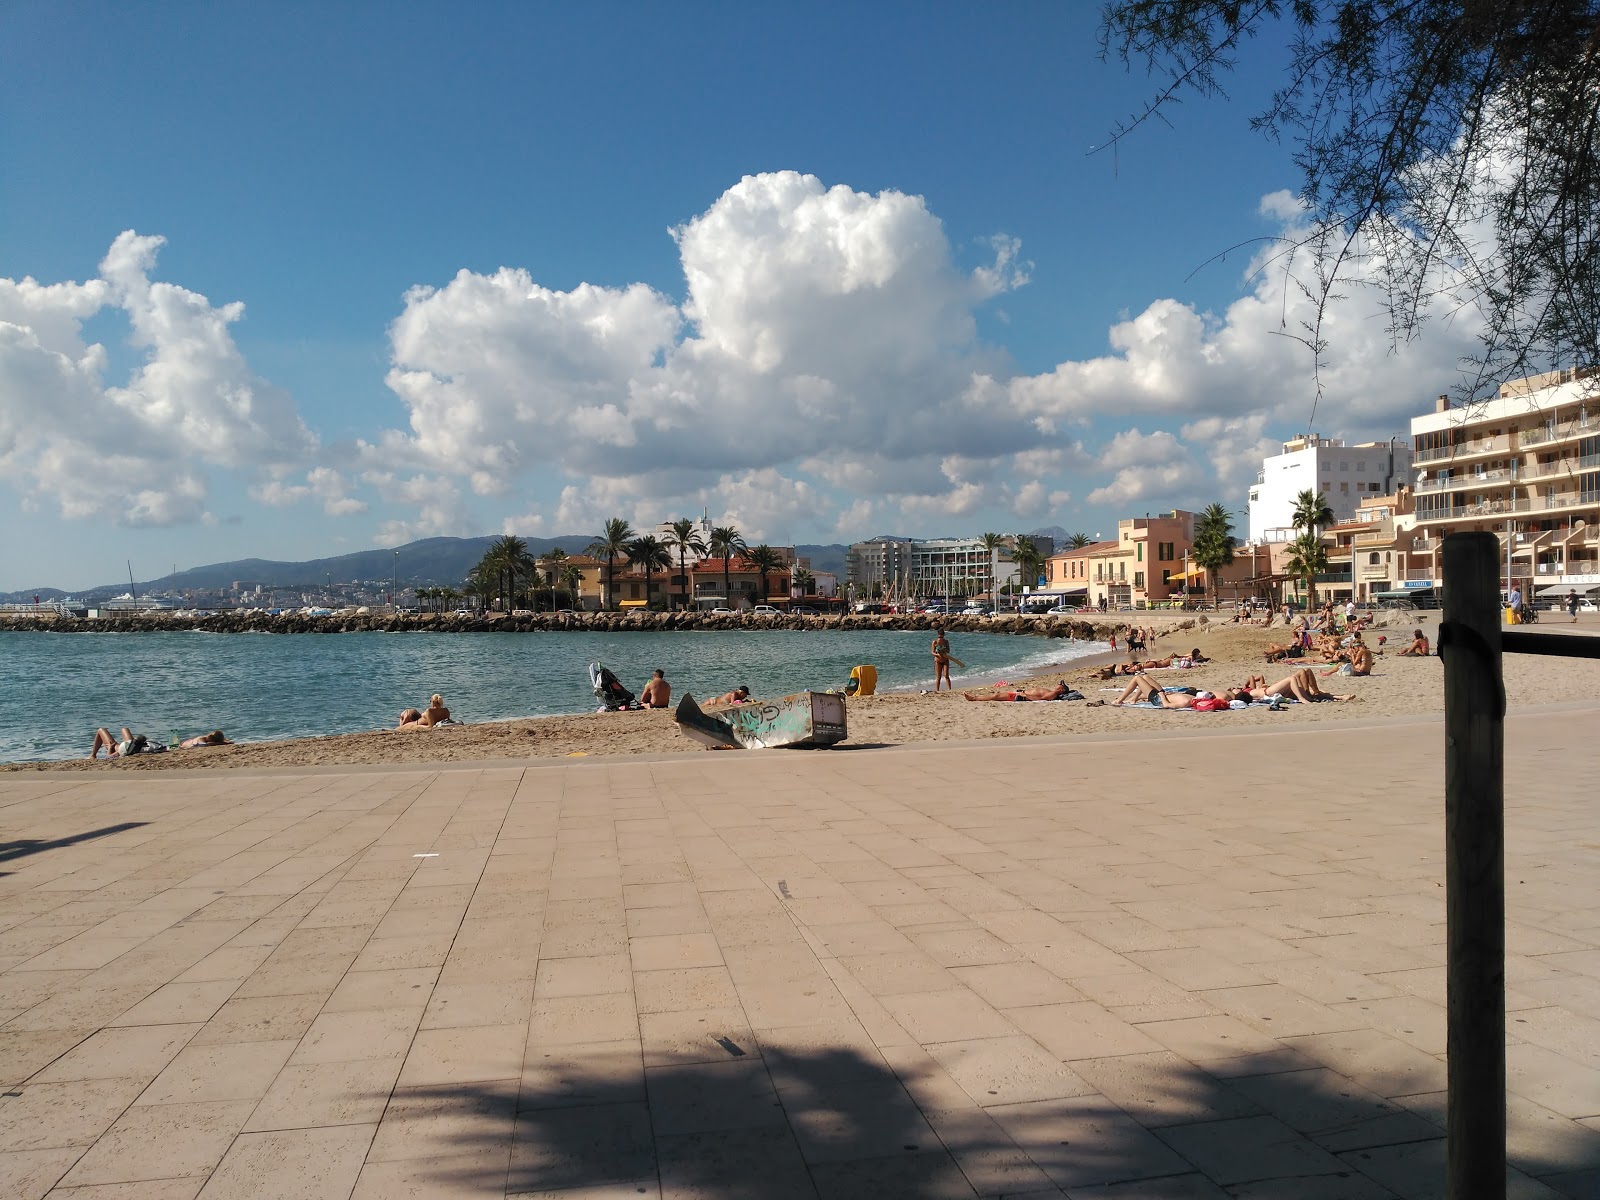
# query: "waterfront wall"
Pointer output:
{"type": "Point", "coordinates": [1093, 629]}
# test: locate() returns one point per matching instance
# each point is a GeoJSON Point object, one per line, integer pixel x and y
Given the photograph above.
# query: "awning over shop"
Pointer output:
{"type": "Point", "coordinates": [1561, 589]}
{"type": "Point", "coordinates": [635, 603]}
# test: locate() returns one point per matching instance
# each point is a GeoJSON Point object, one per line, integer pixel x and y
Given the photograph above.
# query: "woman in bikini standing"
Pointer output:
{"type": "Point", "coordinates": [941, 660]}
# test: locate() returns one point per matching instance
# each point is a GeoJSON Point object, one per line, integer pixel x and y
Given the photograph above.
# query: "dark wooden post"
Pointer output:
{"type": "Point", "coordinates": [1475, 897]}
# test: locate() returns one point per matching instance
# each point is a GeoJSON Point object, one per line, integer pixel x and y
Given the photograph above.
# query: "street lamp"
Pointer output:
{"type": "Point", "coordinates": [394, 587]}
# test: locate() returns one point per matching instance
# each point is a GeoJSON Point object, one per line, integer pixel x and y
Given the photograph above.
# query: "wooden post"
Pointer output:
{"type": "Point", "coordinates": [1475, 897]}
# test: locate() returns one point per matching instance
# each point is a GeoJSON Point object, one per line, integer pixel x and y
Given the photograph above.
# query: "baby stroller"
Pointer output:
{"type": "Point", "coordinates": [608, 690]}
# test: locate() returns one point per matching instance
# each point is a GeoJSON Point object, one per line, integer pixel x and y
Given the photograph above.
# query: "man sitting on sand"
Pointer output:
{"type": "Point", "coordinates": [1356, 661]}
{"type": "Point", "coordinates": [435, 714]}
{"type": "Point", "coordinates": [1023, 694]}
{"type": "Point", "coordinates": [658, 692]}
{"type": "Point", "coordinates": [1144, 690]}
{"type": "Point", "coordinates": [1418, 647]}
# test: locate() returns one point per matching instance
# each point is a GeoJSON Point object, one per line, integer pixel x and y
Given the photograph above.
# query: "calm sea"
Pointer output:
{"type": "Point", "coordinates": [56, 689]}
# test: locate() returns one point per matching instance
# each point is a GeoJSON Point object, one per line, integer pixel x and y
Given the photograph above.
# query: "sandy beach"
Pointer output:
{"type": "Point", "coordinates": [1397, 687]}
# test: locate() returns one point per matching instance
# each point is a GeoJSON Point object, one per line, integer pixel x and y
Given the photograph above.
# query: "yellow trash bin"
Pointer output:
{"type": "Point", "coordinates": [863, 680]}
{"type": "Point", "coordinates": [1511, 616]}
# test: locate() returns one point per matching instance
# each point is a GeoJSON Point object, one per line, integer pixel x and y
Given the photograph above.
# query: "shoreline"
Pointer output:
{"type": "Point", "coordinates": [1399, 688]}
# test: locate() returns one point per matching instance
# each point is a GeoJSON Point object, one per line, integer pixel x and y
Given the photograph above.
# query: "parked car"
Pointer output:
{"type": "Point", "coordinates": [1062, 610]}
{"type": "Point", "coordinates": [805, 612]}
{"type": "Point", "coordinates": [522, 612]}
{"type": "Point", "coordinates": [764, 610]}
{"type": "Point", "coordinates": [720, 611]}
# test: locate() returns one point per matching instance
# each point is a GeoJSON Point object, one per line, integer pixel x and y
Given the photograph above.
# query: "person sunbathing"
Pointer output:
{"type": "Point", "coordinates": [1144, 690]}
{"type": "Point", "coordinates": [129, 743]}
{"type": "Point", "coordinates": [738, 696]}
{"type": "Point", "coordinates": [1418, 647]}
{"type": "Point", "coordinates": [1133, 668]}
{"type": "Point", "coordinates": [1024, 694]}
{"type": "Point", "coordinates": [1301, 685]}
{"type": "Point", "coordinates": [215, 738]}
{"type": "Point", "coordinates": [435, 714]}
{"type": "Point", "coordinates": [1277, 651]}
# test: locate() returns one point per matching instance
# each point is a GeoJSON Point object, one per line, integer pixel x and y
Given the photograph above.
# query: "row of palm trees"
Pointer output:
{"type": "Point", "coordinates": [508, 572]}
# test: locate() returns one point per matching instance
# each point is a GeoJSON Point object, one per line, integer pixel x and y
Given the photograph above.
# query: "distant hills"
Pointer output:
{"type": "Point", "coordinates": [431, 562]}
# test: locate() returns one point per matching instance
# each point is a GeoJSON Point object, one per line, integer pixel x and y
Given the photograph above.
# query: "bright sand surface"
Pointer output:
{"type": "Point", "coordinates": [1048, 967]}
{"type": "Point", "coordinates": [1398, 687]}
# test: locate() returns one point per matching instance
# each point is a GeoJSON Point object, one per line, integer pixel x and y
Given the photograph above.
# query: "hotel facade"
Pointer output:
{"type": "Point", "coordinates": [1524, 466]}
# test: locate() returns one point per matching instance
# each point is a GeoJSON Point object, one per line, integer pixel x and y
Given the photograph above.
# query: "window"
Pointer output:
{"type": "Point", "coordinates": [1344, 485]}
{"type": "Point", "coordinates": [1373, 558]}
{"type": "Point", "coordinates": [1122, 570]}
{"type": "Point", "coordinates": [1344, 466]}
{"type": "Point", "coordinates": [1141, 551]}
{"type": "Point", "coordinates": [1138, 579]}
{"type": "Point", "coordinates": [1361, 465]}
{"type": "Point", "coordinates": [1166, 578]}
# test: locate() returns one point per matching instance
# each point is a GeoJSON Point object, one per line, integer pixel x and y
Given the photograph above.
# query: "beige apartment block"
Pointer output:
{"type": "Point", "coordinates": [1524, 466]}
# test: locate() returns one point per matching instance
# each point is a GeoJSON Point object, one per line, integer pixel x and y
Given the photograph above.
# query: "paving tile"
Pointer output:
{"type": "Point", "coordinates": [447, 1177]}
{"type": "Point", "coordinates": [556, 1148]}
{"type": "Point", "coordinates": [946, 1016]}
{"type": "Point", "coordinates": [703, 1097]}
{"type": "Point", "coordinates": [335, 1093]}
{"type": "Point", "coordinates": [344, 1037]}
{"type": "Point", "coordinates": [1016, 984]}
{"type": "Point", "coordinates": [1080, 1030]}
{"type": "Point", "coordinates": [1333, 1112]}
{"type": "Point", "coordinates": [1007, 1070]}
{"type": "Point", "coordinates": [402, 988]}
{"type": "Point", "coordinates": [1209, 1039]}
{"type": "Point", "coordinates": [1249, 1149]}
{"type": "Point", "coordinates": [1086, 1140]}
{"type": "Point", "coordinates": [260, 1019]}
{"type": "Point", "coordinates": [44, 1116]}
{"type": "Point", "coordinates": [162, 1141]}
{"type": "Point", "coordinates": [445, 1122]}
{"type": "Point", "coordinates": [240, 1071]}
{"type": "Point", "coordinates": [582, 1073]}
{"type": "Point", "coordinates": [455, 1005]}
{"type": "Point", "coordinates": [566, 1020]}
{"type": "Point", "coordinates": [762, 1162]}
{"type": "Point", "coordinates": [326, 1163]}
{"type": "Point", "coordinates": [672, 950]}
{"type": "Point", "coordinates": [141, 1052]}
{"type": "Point", "coordinates": [179, 1004]}
{"type": "Point", "coordinates": [30, 1174]}
{"type": "Point", "coordinates": [591, 976]}
{"type": "Point", "coordinates": [1162, 1088]}
{"type": "Point", "coordinates": [469, 1054]}
{"type": "Point", "coordinates": [932, 1175]}
{"type": "Point", "coordinates": [683, 988]}
{"type": "Point", "coordinates": [892, 974]}
{"type": "Point", "coordinates": [1280, 1011]}
{"type": "Point", "coordinates": [1375, 1060]}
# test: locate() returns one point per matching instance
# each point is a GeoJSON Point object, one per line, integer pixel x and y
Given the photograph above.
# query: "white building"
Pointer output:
{"type": "Point", "coordinates": [1345, 475]}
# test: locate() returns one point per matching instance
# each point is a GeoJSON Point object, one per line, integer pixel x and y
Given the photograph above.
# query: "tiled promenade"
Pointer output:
{"type": "Point", "coordinates": [1193, 967]}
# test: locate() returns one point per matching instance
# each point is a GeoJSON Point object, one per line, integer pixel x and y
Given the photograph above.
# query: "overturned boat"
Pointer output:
{"type": "Point", "coordinates": [804, 719]}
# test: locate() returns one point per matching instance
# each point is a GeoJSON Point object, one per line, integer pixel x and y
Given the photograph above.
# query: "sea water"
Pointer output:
{"type": "Point", "coordinates": [56, 689]}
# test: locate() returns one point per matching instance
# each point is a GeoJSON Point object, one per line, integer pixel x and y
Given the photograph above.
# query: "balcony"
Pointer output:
{"type": "Point", "coordinates": [1476, 479]}
{"type": "Point", "coordinates": [1465, 512]}
{"type": "Point", "coordinates": [1560, 432]}
{"type": "Point", "coordinates": [1476, 448]}
{"type": "Point", "coordinates": [1420, 573]}
{"type": "Point", "coordinates": [1566, 466]}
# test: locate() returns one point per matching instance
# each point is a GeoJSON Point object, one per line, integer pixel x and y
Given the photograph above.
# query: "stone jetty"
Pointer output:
{"type": "Point", "coordinates": [1095, 628]}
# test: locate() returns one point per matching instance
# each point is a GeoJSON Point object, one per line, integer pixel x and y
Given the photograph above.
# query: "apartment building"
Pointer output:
{"type": "Point", "coordinates": [880, 564]}
{"type": "Point", "coordinates": [1067, 572]}
{"type": "Point", "coordinates": [1345, 475]}
{"type": "Point", "coordinates": [1524, 466]}
{"type": "Point", "coordinates": [740, 585]}
{"type": "Point", "coordinates": [1370, 557]}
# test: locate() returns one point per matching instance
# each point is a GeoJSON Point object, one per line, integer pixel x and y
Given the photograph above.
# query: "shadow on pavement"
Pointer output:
{"type": "Point", "coordinates": [23, 847]}
{"type": "Point", "coordinates": [791, 1119]}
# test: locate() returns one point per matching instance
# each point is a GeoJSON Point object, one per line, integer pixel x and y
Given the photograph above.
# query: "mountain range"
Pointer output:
{"type": "Point", "coordinates": [437, 561]}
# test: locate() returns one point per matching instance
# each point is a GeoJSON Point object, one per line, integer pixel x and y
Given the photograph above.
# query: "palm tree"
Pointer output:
{"type": "Point", "coordinates": [992, 544]}
{"type": "Point", "coordinates": [765, 560]}
{"type": "Point", "coordinates": [685, 538]}
{"type": "Point", "coordinates": [1311, 512]}
{"type": "Point", "coordinates": [1213, 544]}
{"type": "Point", "coordinates": [1308, 558]}
{"type": "Point", "coordinates": [572, 578]}
{"type": "Point", "coordinates": [1027, 557]}
{"type": "Point", "coordinates": [647, 551]}
{"type": "Point", "coordinates": [725, 542]}
{"type": "Point", "coordinates": [477, 585]}
{"type": "Point", "coordinates": [613, 540]}
{"type": "Point", "coordinates": [447, 596]}
{"type": "Point", "coordinates": [1078, 541]}
{"type": "Point", "coordinates": [803, 581]}
{"type": "Point", "coordinates": [511, 555]}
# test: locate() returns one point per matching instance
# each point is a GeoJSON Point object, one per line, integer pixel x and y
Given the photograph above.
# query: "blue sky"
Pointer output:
{"type": "Point", "coordinates": [904, 296]}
